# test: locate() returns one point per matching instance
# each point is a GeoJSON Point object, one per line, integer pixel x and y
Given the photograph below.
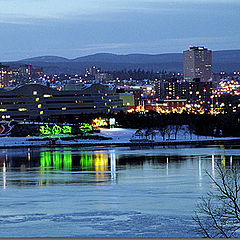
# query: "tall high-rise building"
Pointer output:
{"type": "Point", "coordinates": [197, 64]}
{"type": "Point", "coordinates": [5, 76]}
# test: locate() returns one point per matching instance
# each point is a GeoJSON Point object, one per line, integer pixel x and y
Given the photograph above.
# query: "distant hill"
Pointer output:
{"type": "Point", "coordinates": [51, 59]}
{"type": "Point", "coordinates": [225, 60]}
{"type": "Point", "coordinates": [131, 58]}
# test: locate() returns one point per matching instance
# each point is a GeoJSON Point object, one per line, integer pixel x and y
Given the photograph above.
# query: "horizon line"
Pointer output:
{"type": "Point", "coordinates": [110, 53]}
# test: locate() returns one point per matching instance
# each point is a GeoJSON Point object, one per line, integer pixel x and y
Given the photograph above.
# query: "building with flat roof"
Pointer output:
{"type": "Point", "coordinates": [38, 102]}
{"type": "Point", "coordinates": [184, 90]}
{"type": "Point", "coordinates": [197, 64]}
{"type": "Point", "coordinates": [5, 76]}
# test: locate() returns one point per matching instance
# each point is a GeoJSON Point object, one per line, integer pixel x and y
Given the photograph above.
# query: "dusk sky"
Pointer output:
{"type": "Point", "coordinates": [73, 28]}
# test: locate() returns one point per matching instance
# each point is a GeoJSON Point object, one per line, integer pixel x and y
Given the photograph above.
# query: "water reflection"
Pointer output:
{"type": "Point", "coordinates": [213, 167]}
{"type": "Point", "coordinates": [73, 166]}
{"type": "Point", "coordinates": [57, 159]}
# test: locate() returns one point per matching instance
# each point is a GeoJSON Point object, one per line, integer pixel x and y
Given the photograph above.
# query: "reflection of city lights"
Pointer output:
{"type": "Point", "coordinates": [113, 165]}
{"type": "Point", "coordinates": [58, 159]}
{"type": "Point", "coordinates": [4, 176]}
{"type": "Point", "coordinates": [213, 167]}
{"type": "Point", "coordinates": [101, 163]}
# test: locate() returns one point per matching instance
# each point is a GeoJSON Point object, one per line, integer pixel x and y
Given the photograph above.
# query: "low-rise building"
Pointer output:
{"type": "Point", "coordinates": [38, 102]}
{"type": "Point", "coordinates": [167, 106]}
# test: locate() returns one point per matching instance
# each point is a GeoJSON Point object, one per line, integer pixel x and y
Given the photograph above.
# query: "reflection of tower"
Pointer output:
{"type": "Point", "coordinates": [213, 167]}
{"type": "Point", "coordinates": [113, 165]}
{"type": "Point", "coordinates": [29, 155]}
{"type": "Point", "coordinates": [4, 175]}
{"type": "Point", "coordinates": [223, 161]}
{"type": "Point", "coordinates": [200, 170]}
{"type": "Point", "coordinates": [167, 166]}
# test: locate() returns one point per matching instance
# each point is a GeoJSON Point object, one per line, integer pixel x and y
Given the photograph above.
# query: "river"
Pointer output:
{"type": "Point", "coordinates": [106, 192]}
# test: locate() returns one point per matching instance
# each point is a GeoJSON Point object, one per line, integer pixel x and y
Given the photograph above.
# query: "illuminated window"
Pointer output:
{"type": "Point", "coordinates": [37, 99]}
{"type": "Point", "coordinates": [64, 108]}
{"type": "Point", "coordinates": [34, 92]}
{"type": "Point", "coordinates": [47, 95]}
{"type": "Point", "coordinates": [3, 110]}
{"type": "Point", "coordinates": [39, 105]}
{"type": "Point", "coordinates": [41, 112]}
{"type": "Point", "coordinates": [22, 109]}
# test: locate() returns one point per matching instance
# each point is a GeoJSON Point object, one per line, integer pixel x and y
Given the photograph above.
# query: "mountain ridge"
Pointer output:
{"type": "Point", "coordinates": [135, 57]}
{"type": "Point", "coordinates": [223, 60]}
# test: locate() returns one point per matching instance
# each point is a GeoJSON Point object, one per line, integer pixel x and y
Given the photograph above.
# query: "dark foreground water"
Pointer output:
{"type": "Point", "coordinates": [102, 192]}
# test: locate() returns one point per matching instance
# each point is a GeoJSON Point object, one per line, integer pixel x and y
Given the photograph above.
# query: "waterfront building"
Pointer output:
{"type": "Point", "coordinates": [5, 76]}
{"type": "Point", "coordinates": [197, 64]}
{"type": "Point", "coordinates": [38, 102]}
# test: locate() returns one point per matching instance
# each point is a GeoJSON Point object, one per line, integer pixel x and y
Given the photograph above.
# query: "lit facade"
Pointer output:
{"type": "Point", "coordinates": [167, 106]}
{"type": "Point", "coordinates": [37, 102]}
{"type": "Point", "coordinates": [183, 90]}
{"type": "Point", "coordinates": [5, 76]}
{"type": "Point", "coordinates": [197, 64]}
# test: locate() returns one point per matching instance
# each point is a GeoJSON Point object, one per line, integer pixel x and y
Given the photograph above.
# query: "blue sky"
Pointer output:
{"type": "Point", "coordinates": [72, 28]}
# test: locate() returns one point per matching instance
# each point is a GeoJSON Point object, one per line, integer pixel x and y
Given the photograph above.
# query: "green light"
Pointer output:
{"type": "Point", "coordinates": [67, 129]}
{"type": "Point", "coordinates": [45, 159]}
{"type": "Point", "coordinates": [57, 160]}
{"type": "Point", "coordinates": [67, 160]}
{"type": "Point", "coordinates": [85, 127]}
{"type": "Point", "coordinates": [56, 130]}
{"type": "Point", "coordinates": [46, 130]}
{"type": "Point", "coordinates": [86, 161]}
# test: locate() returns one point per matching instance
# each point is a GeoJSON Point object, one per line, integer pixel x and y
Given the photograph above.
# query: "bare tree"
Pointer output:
{"type": "Point", "coordinates": [218, 214]}
{"type": "Point", "coordinates": [190, 129]}
{"type": "Point", "coordinates": [177, 128]}
{"type": "Point", "coordinates": [139, 133]}
{"type": "Point", "coordinates": [170, 130]}
{"type": "Point", "coordinates": [150, 132]}
{"type": "Point", "coordinates": [163, 131]}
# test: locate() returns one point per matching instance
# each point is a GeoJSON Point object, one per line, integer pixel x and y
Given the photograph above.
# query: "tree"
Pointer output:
{"type": "Point", "coordinates": [170, 131]}
{"type": "Point", "coordinates": [177, 128]}
{"type": "Point", "coordinates": [163, 131]}
{"type": "Point", "coordinates": [218, 214]}
{"type": "Point", "coordinates": [139, 133]}
{"type": "Point", "coordinates": [150, 132]}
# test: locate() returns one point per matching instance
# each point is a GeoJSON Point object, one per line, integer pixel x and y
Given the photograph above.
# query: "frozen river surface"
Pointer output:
{"type": "Point", "coordinates": [121, 192]}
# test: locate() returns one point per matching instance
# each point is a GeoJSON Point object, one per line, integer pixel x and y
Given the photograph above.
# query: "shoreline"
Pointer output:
{"type": "Point", "coordinates": [32, 143]}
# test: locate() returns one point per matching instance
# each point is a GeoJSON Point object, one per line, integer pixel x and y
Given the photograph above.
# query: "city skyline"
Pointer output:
{"type": "Point", "coordinates": [77, 28]}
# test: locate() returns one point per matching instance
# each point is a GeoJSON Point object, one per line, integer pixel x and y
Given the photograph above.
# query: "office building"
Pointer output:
{"type": "Point", "coordinates": [197, 64]}
{"type": "Point", "coordinates": [38, 102]}
{"type": "Point", "coordinates": [184, 90]}
{"type": "Point", "coordinates": [5, 76]}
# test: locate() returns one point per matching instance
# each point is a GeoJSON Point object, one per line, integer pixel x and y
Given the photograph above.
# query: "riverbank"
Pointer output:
{"type": "Point", "coordinates": [118, 137]}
